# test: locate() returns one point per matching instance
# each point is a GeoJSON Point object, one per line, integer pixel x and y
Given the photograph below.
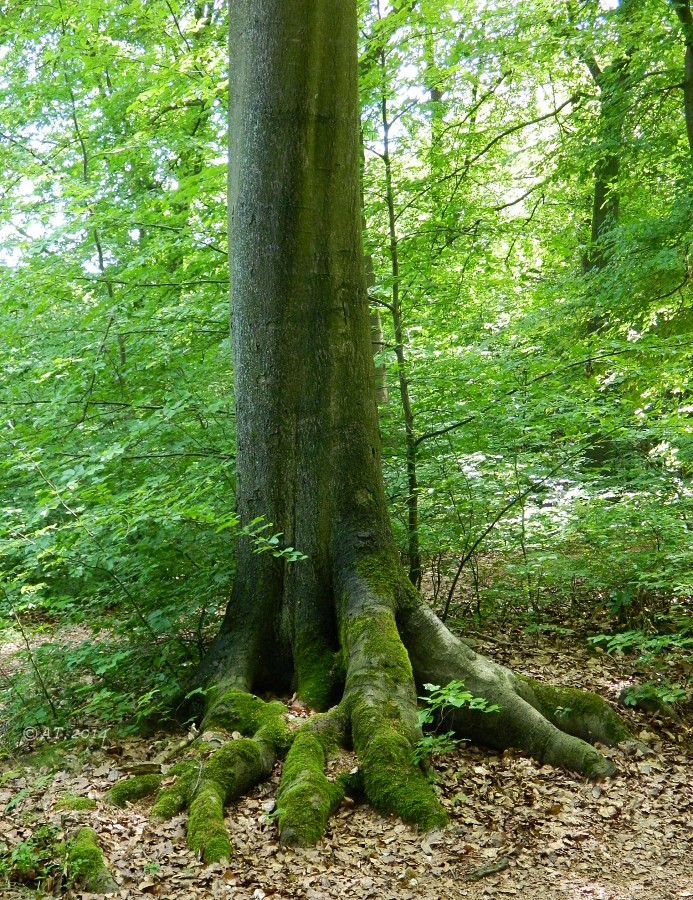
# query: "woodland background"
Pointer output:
{"type": "Point", "coordinates": [533, 372]}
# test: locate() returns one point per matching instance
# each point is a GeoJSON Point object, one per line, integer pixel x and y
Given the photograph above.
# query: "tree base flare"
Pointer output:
{"type": "Point", "coordinates": [391, 645]}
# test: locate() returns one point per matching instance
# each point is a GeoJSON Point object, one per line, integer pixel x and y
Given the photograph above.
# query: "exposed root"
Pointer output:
{"type": "Point", "coordinates": [380, 698]}
{"type": "Point", "coordinates": [208, 783]}
{"type": "Point", "coordinates": [307, 798]}
{"type": "Point", "coordinates": [133, 789]}
{"type": "Point", "coordinates": [578, 712]}
{"type": "Point", "coordinates": [549, 723]}
{"type": "Point", "coordinates": [85, 863]}
{"type": "Point", "coordinates": [389, 643]}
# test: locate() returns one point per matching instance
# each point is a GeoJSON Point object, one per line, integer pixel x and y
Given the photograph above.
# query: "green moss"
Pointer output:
{"type": "Point", "coordinates": [207, 834]}
{"type": "Point", "coordinates": [381, 572]}
{"type": "Point", "coordinates": [227, 775]}
{"type": "Point", "coordinates": [234, 710]}
{"type": "Point", "coordinates": [306, 798]}
{"type": "Point", "coordinates": [392, 782]}
{"type": "Point", "coordinates": [235, 767]}
{"type": "Point", "coordinates": [317, 669]}
{"type": "Point", "coordinates": [86, 865]}
{"type": "Point", "coordinates": [374, 634]}
{"type": "Point", "coordinates": [175, 797]}
{"type": "Point", "coordinates": [72, 801]}
{"type": "Point", "coordinates": [275, 733]}
{"type": "Point", "coordinates": [578, 712]}
{"type": "Point", "coordinates": [133, 789]}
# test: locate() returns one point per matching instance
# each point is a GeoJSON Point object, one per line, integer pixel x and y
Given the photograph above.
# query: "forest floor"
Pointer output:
{"type": "Point", "coordinates": [516, 829]}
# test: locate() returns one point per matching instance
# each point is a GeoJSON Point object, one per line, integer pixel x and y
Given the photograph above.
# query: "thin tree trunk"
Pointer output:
{"type": "Point", "coordinates": [612, 83]}
{"type": "Point", "coordinates": [413, 547]}
{"type": "Point", "coordinates": [683, 11]}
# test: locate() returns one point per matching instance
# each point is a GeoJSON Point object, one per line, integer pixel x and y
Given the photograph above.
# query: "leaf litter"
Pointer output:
{"type": "Point", "coordinates": [516, 829]}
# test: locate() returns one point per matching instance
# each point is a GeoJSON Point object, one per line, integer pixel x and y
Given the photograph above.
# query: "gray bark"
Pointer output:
{"type": "Point", "coordinates": [308, 456]}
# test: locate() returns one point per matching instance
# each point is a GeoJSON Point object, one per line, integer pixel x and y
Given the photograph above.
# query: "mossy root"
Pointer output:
{"type": "Point", "coordinates": [306, 797]}
{"type": "Point", "coordinates": [380, 698]}
{"type": "Point", "coordinates": [580, 713]}
{"type": "Point", "coordinates": [85, 863]}
{"type": "Point", "coordinates": [231, 771]}
{"type": "Point", "coordinates": [133, 789]}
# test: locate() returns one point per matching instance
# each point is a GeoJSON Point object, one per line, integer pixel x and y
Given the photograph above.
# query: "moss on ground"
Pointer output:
{"type": "Point", "coordinates": [72, 801]}
{"type": "Point", "coordinates": [133, 789]}
{"type": "Point", "coordinates": [85, 863]}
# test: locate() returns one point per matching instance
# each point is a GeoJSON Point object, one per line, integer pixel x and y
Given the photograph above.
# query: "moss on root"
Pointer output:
{"type": "Point", "coordinates": [381, 573]}
{"type": "Point", "coordinates": [174, 798]}
{"type": "Point", "coordinates": [233, 710]}
{"type": "Point", "coordinates": [227, 775]}
{"type": "Point", "coordinates": [374, 635]}
{"type": "Point", "coordinates": [85, 863]}
{"type": "Point", "coordinates": [575, 711]}
{"type": "Point", "coordinates": [207, 835]}
{"type": "Point", "coordinates": [392, 781]}
{"type": "Point", "coordinates": [319, 674]}
{"type": "Point", "coordinates": [233, 769]}
{"type": "Point", "coordinates": [306, 797]}
{"type": "Point", "coordinates": [133, 789]}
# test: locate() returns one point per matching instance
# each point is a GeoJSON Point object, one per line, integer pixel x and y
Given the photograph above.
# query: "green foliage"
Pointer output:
{"type": "Point", "coordinates": [439, 701]}
{"type": "Point", "coordinates": [661, 693]}
{"type": "Point", "coordinates": [35, 859]}
{"type": "Point", "coordinates": [550, 401]}
{"type": "Point", "coordinates": [648, 646]}
{"type": "Point", "coordinates": [673, 644]}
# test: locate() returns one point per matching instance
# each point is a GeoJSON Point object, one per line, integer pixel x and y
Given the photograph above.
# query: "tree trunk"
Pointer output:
{"type": "Point", "coordinates": [612, 83]}
{"type": "Point", "coordinates": [683, 11]}
{"type": "Point", "coordinates": [345, 626]}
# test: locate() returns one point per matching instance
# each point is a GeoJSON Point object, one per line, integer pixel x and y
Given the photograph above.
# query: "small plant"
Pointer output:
{"type": "Point", "coordinates": [548, 628]}
{"type": "Point", "coordinates": [438, 703]}
{"type": "Point", "coordinates": [656, 695]}
{"type": "Point", "coordinates": [32, 861]}
{"type": "Point", "coordinates": [649, 646]}
{"type": "Point", "coordinates": [431, 745]}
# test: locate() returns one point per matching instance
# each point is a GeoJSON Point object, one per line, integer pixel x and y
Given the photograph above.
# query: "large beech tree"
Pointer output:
{"type": "Point", "coordinates": [344, 628]}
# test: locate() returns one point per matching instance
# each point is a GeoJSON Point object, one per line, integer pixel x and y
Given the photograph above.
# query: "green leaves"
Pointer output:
{"type": "Point", "coordinates": [439, 701]}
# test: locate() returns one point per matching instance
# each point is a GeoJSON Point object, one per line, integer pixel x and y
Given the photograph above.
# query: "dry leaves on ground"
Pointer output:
{"type": "Point", "coordinates": [516, 829]}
